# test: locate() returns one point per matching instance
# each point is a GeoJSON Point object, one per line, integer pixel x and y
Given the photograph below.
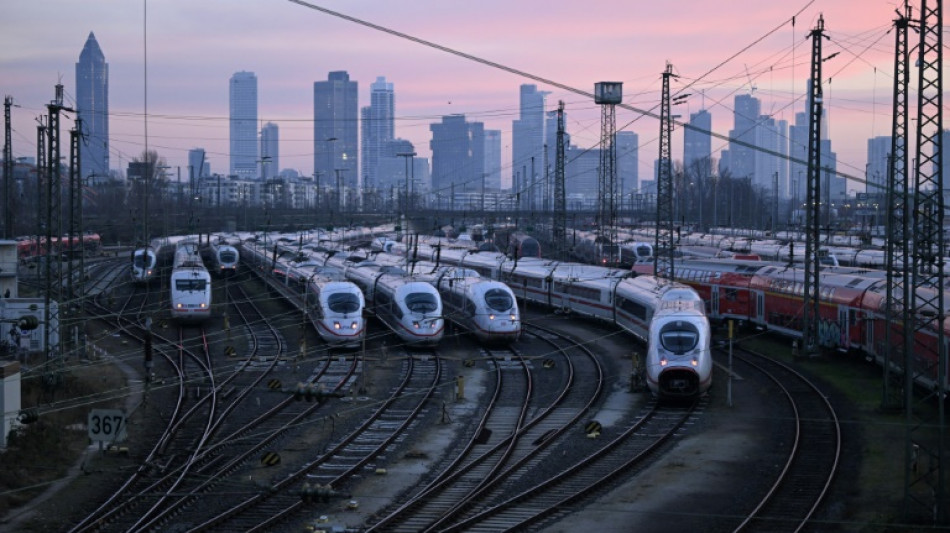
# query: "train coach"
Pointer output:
{"type": "Point", "coordinates": [144, 265]}
{"type": "Point", "coordinates": [615, 296]}
{"type": "Point", "coordinates": [333, 305]}
{"type": "Point", "coordinates": [224, 257]}
{"type": "Point", "coordinates": [851, 307]}
{"type": "Point", "coordinates": [190, 284]}
{"type": "Point", "coordinates": [483, 307]}
{"type": "Point", "coordinates": [412, 309]}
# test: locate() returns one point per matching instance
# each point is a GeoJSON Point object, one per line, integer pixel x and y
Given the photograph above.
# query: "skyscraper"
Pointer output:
{"type": "Point", "coordinates": [270, 152]}
{"type": "Point", "coordinates": [243, 105]}
{"type": "Point", "coordinates": [528, 144]}
{"type": "Point", "coordinates": [92, 106]}
{"type": "Point", "coordinates": [879, 152]}
{"type": "Point", "coordinates": [493, 159]}
{"type": "Point", "coordinates": [335, 129]}
{"type": "Point", "coordinates": [458, 154]}
{"type": "Point", "coordinates": [628, 162]}
{"type": "Point", "coordinates": [378, 128]}
{"type": "Point", "coordinates": [697, 146]}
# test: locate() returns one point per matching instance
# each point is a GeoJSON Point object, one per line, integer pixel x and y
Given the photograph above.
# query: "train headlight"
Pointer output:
{"type": "Point", "coordinates": [663, 361]}
{"type": "Point", "coordinates": [695, 361]}
{"type": "Point", "coordinates": [513, 317]}
{"type": "Point", "coordinates": [415, 325]}
{"type": "Point", "coordinates": [336, 325]}
{"type": "Point", "coordinates": [179, 305]}
{"type": "Point", "coordinates": [203, 305]}
{"type": "Point", "coordinates": [491, 316]}
{"type": "Point", "coordinates": [149, 272]}
{"type": "Point", "coordinates": [354, 325]}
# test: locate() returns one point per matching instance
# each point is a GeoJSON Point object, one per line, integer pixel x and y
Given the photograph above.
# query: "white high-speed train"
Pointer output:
{"type": "Point", "coordinates": [224, 257]}
{"type": "Point", "coordinates": [333, 304]}
{"type": "Point", "coordinates": [666, 315]}
{"type": "Point", "coordinates": [484, 307]}
{"type": "Point", "coordinates": [190, 284]}
{"type": "Point", "coordinates": [412, 309]}
{"type": "Point", "coordinates": [144, 265]}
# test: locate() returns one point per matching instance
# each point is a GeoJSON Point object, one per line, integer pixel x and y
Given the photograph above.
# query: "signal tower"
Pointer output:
{"type": "Point", "coordinates": [608, 94]}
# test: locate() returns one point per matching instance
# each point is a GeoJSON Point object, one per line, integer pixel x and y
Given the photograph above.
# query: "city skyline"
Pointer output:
{"type": "Point", "coordinates": [624, 43]}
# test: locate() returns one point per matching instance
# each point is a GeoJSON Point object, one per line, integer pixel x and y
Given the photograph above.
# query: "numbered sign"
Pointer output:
{"type": "Point", "coordinates": [107, 425]}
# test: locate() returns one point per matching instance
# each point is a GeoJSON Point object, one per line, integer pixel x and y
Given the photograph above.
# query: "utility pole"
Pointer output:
{"type": "Point", "coordinates": [813, 195]}
{"type": "Point", "coordinates": [8, 202]}
{"type": "Point", "coordinates": [925, 472]}
{"type": "Point", "coordinates": [560, 193]}
{"type": "Point", "coordinates": [663, 247]}
{"type": "Point", "coordinates": [53, 215]}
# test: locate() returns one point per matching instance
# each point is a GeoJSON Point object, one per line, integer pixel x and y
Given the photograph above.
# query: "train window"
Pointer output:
{"type": "Point", "coordinates": [228, 256]}
{"type": "Point", "coordinates": [421, 302]}
{"type": "Point", "coordinates": [679, 337]}
{"type": "Point", "coordinates": [190, 284]}
{"type": "Point", "coordinates": [637, 310]}
{"type": "Point", "coordinates": [498, 300]}
{"type": "Point", "coordinates": [732, 295]}
{"type": "Point", "coordinates": [343, 302]}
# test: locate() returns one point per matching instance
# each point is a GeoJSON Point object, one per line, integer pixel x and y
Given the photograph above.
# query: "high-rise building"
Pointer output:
{"type": "Point", "coordinates": [378, 128]}
{"type": "Point", "coordinates": [335, 129]}
{"type": "Point", "coordinates": [879, 152]}
{"type": "Point", "coordinates": [697, 145]}
{"type": "Point", "coordinates": [458, 154]}
{"type": "Point", "coordinates": [741, 157]}
{"type": "Point", "coordinates": [527, 153]}
{"type": "Point", "coordinates": [198, 163]}
{"type": "Point", "coordinates": [270, 151]}
{"type": "Point", "coordinates": [493, 159]}
{"type": "Point", "coordinates": [628, 163]}
{"type": "Point", "coordinates": [243, 106]}
{"type": "Point", "coordinates": [92, 106]}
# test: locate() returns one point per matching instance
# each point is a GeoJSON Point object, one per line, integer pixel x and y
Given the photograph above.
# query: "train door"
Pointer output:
{"type": "Point", "coordinates": [868, 334]}
{"type": "Point", "coordinates": [714, 301]}
{"type": "Point", "coordinates": [759, 307]}
{"type": "Point", "coordinates": [846, 320]}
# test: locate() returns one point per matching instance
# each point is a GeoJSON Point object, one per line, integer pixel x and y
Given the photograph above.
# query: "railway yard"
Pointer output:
{"type": "Point", "coordinates": [250, 423]}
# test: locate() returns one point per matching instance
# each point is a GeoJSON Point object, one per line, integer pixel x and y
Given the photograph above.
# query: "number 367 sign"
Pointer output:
{"type": "Point", "coordinates": [107, 425]}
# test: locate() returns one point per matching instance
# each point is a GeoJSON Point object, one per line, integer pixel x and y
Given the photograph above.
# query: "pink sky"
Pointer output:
{"type": "Point", "coordinates": [195, 47]}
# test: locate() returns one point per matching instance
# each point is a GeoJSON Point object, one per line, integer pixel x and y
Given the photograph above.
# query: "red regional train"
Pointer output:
{"type": "Point", "coordinates": [31, 247]}
{"type": "Point", "coordinates": [851, 311]}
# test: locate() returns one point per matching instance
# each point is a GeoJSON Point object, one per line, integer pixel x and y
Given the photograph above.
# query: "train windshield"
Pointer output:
{"type": "Point", "coordinates": [679, 337]}
{"type": "Point", "coordinates": [228, 256]}
{"type": "Point", "coordinates": [190, 284]}
{"type": "Point", "coordinates": [421, 302]}
{"type": "Point", "coordinates": [530, 248]}
{"type": "Point", "coordinates": [644, 251]}
{"type": "Point", "coordinates": [143, 261]}
{"type": "Point", "coordinates": [498, 300]}
{"type": "Point", "coordinates": [342, 302]}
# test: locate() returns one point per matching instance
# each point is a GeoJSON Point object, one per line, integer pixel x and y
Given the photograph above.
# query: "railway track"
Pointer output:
{"type": "Point", "coordinates": [813, 453]}
{"type": "Point", "coordinates": [351, 454]}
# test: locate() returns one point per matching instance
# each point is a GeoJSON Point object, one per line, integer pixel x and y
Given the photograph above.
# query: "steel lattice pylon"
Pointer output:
{"type": "Point", "coordinates": [813, 195]}
{"type": "Point", "coordinates": [896, 246]}
{"type": "Point", "coordinates": [560, 196]}
{"type": "Point", "coordinates": [663, 247]}
{"type": "Point", "coordinates": [926, 419]}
